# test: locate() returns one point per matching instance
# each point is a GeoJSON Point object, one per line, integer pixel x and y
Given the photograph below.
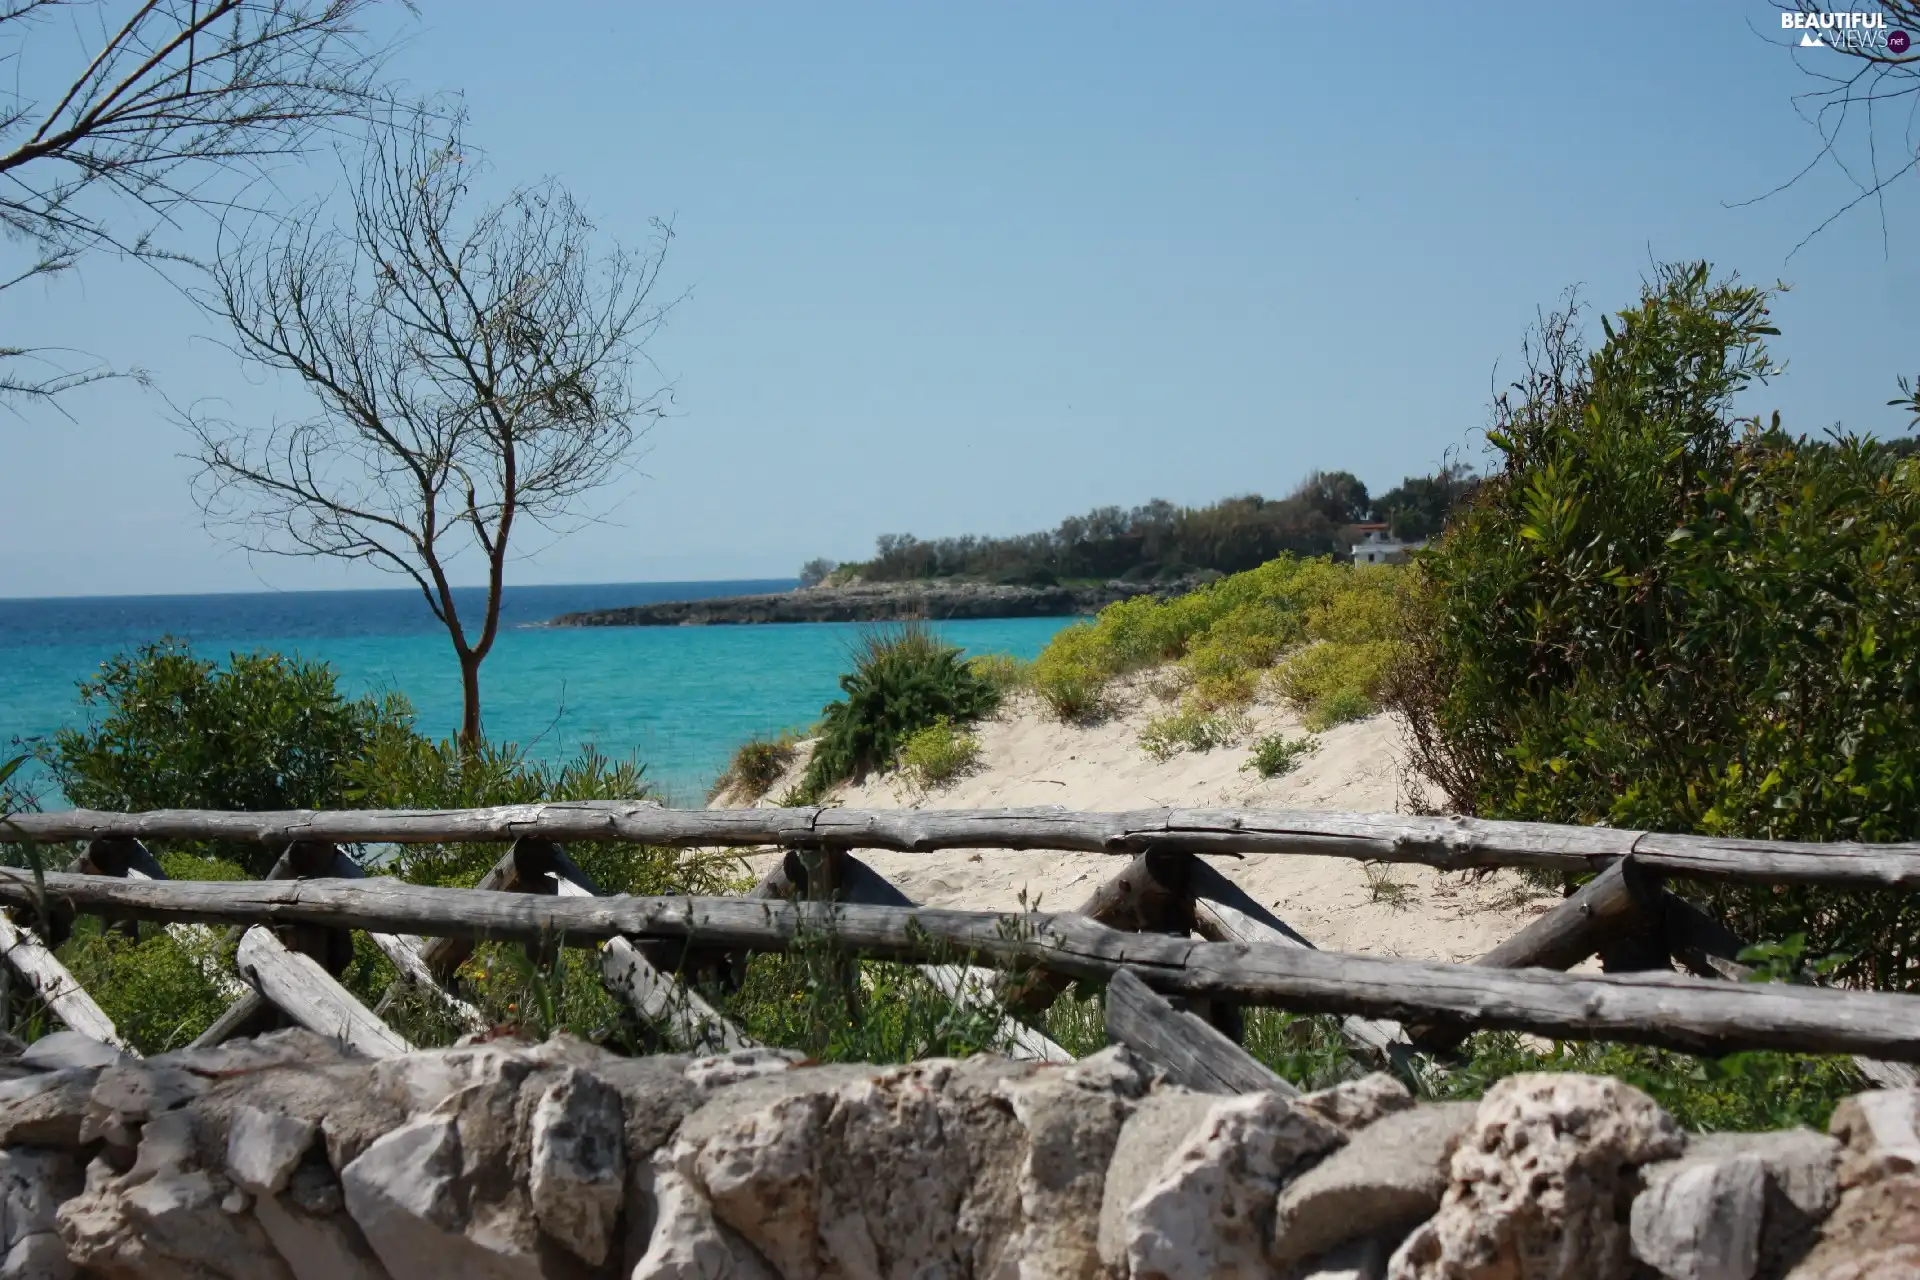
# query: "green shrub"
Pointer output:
{"type": "Point", "coordinates": [168, 730]}
{"type": "Point", "coordinates": [1190, 729]}
{"type": "Point", "coordinates": [938, 754]}
{"type": "Point", "coordinates": [1660, 615]}
{"type": "Point", "coordinates": [1743, 1091]}
{"type": "Point", "coordinates": [1327, 626]}
{"type": "Point", "coordinates": [904, 679]}
{"type": "Point", "coordinates": [756, 765]}
{"type": "Point", "coordinates": [160, 990]}
{"type": "Point", "coordinates": [1341, 706]}
{"type": "Point", "coordinates": [1277, 755]}
{"type": "Point", "coordinates": [1007, 674]}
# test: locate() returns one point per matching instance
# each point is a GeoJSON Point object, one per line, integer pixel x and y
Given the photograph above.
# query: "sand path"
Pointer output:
{"type": "Point", "coordinates": [1030, 759]}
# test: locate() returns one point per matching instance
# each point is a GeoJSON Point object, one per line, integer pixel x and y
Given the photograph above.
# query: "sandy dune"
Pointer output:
{"type": "Point", "coordinates": [1029, 759]}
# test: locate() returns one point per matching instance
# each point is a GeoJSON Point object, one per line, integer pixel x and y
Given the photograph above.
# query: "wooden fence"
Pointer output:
{"type": "Point", "coordinates": [1166, 921]}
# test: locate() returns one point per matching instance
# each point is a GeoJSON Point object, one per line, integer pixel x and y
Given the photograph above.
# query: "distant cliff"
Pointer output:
{"type": "Point", "coordinates": [878, 602]}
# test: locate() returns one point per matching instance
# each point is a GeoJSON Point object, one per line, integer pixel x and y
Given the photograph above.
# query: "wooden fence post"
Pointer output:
{"type": "Point", "coordinates": [1183, 1046]}
{"type": "Point", "coordinates": [307, 993]}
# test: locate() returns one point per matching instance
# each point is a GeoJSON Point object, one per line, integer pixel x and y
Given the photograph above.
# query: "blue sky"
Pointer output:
{"type": "Point", "coordinates": [971, 268]}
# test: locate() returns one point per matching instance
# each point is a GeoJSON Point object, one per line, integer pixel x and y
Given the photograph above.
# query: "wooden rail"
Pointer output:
{"type": "Point", "coordinates": [1668, 1010]}
{"type": "Point", "coordinates": [1451, 844]}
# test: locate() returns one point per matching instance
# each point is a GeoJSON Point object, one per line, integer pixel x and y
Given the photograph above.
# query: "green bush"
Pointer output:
{"type": "Point", "coordinates": [1316, 628]}
{"type": "Point", "coordinates": [1190, 729]}
{"type": "Point", "coordinates": [1661, 615]}
{"type": "Point", "coordinates": [904, 679]}
{"type": "Point", "coordinates": [1338, 707]}
{"type": "Point", "coordinates": [1277, 755]}
{"type": "Point", "coordinates": [1743, 1091]}
{"type": "Point", "coordinates": [938, 754]}
{"type": "Point", "coordinates": [168, 730]}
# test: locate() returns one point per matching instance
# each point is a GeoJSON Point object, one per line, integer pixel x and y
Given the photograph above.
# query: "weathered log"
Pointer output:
{"type": "Point", "coordinates": [1224, 912]}
{"type": "Point", "coordinates": [1448, 843]}
{"type": "Point", "coordinates": [1668, 1010]}
{"type": "Point", "coordinates": [690, 1022]}
{"type": "Point", "coordinates": [308, 994]}
{"type": "Point", "coordinates": [1182, 1045]}
{"type": "Point", "coordinates": [65, 998]}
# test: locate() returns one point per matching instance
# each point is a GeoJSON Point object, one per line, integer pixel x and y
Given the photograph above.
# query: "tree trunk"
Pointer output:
{"type": "Point", "coordinates": [470, 701]}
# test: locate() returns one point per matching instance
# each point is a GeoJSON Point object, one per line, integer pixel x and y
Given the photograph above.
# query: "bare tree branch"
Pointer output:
{"type": "Point", "coordinates": [181, 107]}
{"type": "Point", "coordinates": [471, 373]}
{"type": "Point", "coordinates": [1865, 67]}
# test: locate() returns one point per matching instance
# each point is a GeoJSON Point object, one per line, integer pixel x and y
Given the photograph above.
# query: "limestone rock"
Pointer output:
{"type": "Point", "coordinates": [1356, 1260]}
{"type": "Point", "coordinates": [719, 1070]}
{"type": "Point", "coordinates": [264, 1148]}
{"type": "Point", "coordinates": [403, 1193]}
{"type": "Point", "coordinates": [1873, 1234]}
{"type": "Point", "coordinates": [577, 1163]}
{"type": "Point", "coordinates": [46, 1110]}
{"type": "Point", "coordinates": [1072, 1118]}
{"type": "Point", "coordinates": [1879, 1133]}
{"type": "Point", "coordinates": [32, 1186]}
{"type": "Point", "coordinates": [1387, 1180]}
{"type": "Point", "coordinates": [1159, 1126]}
{"type": "Point", "coordinates": [1539, 1183]}
{"type": "Point", "coordinates": [317, 1247]}
{"type": "Point", "coordinates": [62, 1050]}
{"type": "Point", "coordinates": [164, 1219]}
{"type": "Point", "coordinates": [682, 1240]}
{"type": "Point", "coordinates": [1701, 1220]}
{"type": "Point", "coordinates": [129, 1093]}
{"type": "Point", "coordinates": [1799, 1188]}
{"type": "Point", "coordinates": [1206, 1213]}
{"type": "Point", "coordinates": [1355, 1104]}
{"type": "Point", "coordinates": [292, 1046]}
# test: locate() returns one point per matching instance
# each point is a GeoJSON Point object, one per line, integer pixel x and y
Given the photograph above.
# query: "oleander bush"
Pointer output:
{"type": "Point", "coordinates": [1661, 614]}
{"type": "Point", "coordinates": [167, 729]}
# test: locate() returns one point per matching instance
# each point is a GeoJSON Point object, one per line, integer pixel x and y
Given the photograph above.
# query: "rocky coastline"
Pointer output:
{"type": "Point", "coordinates": [939, 600]}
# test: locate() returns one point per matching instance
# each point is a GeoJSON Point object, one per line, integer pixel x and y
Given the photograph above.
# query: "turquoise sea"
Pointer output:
{"type": "Point", "coordinates": [678, 699]}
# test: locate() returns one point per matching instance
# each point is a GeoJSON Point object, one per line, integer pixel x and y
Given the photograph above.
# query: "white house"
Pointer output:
{"type": "Point", "coordinates": [1375, 544]}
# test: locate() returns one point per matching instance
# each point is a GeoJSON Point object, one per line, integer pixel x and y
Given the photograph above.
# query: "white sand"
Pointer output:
{"type": "Point", "coordinates": [1029, 759]}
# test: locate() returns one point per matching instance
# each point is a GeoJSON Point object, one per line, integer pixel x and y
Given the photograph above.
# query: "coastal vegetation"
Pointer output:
{"type": "Point", "coordinates": [904, 680]}
{"type": "Point", "coordinates": [1161, 542]}
{"type": "Point", "coordinates": [1319, 634]}
{"type": "Point", "coordinates": [1659, 614]}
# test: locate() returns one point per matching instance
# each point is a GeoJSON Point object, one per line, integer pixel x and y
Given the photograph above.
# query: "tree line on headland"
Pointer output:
{"type": "Point", "coordinates": [1159, 541]}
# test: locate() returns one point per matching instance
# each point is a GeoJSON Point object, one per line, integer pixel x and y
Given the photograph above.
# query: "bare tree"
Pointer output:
{"type": "Point", "coordinates": [160, 100]}
{"type": "Point", "coordinates": [471, 373]}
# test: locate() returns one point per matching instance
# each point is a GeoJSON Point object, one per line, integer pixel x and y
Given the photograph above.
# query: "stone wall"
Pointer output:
{"type": "Point", "coordinates": [282, 1159]}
